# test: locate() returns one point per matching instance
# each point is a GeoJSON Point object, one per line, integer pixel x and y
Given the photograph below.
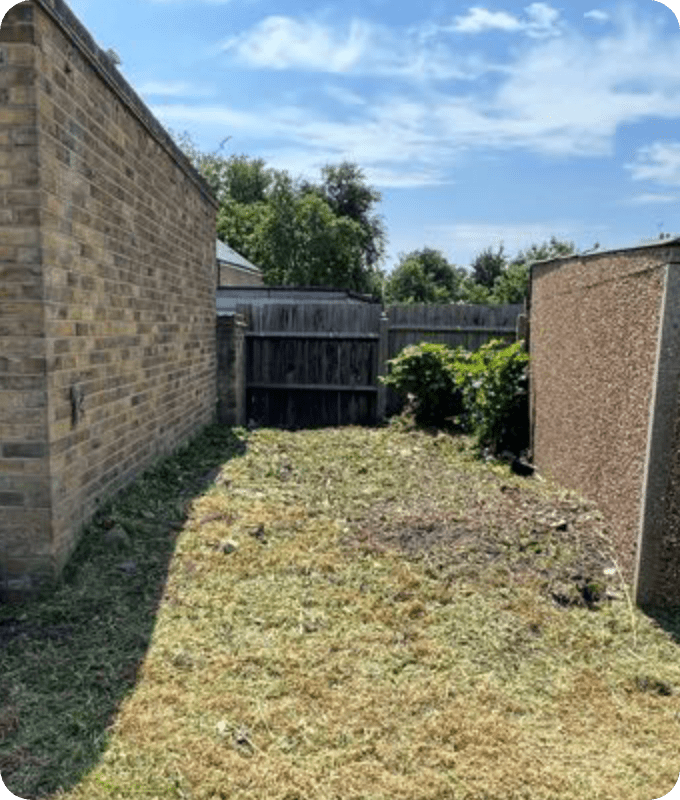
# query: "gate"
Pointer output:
{"type": "Point", "coordinates": [312, 364]}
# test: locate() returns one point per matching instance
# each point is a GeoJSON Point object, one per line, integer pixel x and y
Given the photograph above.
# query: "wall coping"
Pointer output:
{"type": "Point", "coordinates": [660, 244]}
{"type": "Point", "coordinates": [81, 38]}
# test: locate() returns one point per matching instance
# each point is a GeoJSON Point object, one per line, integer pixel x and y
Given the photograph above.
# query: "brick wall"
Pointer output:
{"type": "Point", "coordinates": [108, 292]}
{"type": "Point", "coordinates": [594, 332]}
{"type": "Point", "coordinates": [231, 376]}
{"type": "Point", "coordinates": [233, 276]}
{"type": "Point", "coordinates": [25, 502]}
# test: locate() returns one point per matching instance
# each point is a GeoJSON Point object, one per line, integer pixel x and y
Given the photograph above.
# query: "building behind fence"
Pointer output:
{"type": "Point", "coordinates": [107, 312]}
{"type": "Point", "coordinates": [314, 360]}
{"type": "Point", "coordinates": [605, 365]}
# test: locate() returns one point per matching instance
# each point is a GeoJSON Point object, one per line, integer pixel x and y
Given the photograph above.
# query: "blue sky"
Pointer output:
{"type": "Point", "coordinates": [510, 122]}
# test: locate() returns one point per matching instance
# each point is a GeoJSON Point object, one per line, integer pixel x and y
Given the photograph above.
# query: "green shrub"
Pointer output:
{"type": "Point", "coordinates": [427, 372]}
{"type": "Point", "coordinates": [485, 391]}
{"type": "Point", "coordinates": [493, 386]}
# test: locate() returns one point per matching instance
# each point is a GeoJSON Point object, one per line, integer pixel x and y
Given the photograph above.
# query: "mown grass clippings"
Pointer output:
{"type": "Point", "coordinates": [385, 622]}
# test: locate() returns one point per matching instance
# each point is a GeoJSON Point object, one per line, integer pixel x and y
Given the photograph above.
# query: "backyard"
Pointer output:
{"type": "Point", "coordinates": [344, 613]}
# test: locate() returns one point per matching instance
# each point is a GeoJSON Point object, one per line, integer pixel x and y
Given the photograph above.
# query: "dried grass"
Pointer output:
{"type": "Point", "coordinates": [345, 613]}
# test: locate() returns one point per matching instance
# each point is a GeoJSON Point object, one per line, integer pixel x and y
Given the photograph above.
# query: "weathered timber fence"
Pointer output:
{"type": "Point", "coordinates": [468, 326]}
{"type": "Point", "coordinates": [310, 364]}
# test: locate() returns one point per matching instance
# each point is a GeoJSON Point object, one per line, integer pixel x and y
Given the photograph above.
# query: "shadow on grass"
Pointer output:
{"type": "Point", "coordinates": [668, 619]}
{"type": "Point", "coordinates": [69, 659]}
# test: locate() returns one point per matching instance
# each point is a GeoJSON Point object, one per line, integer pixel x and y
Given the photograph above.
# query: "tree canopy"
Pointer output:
{"type": "Point", "coordinates": [425, 276]}
{"type": "Point", "coordinates": [299, 232]}
{"type": "Point", "coordinates": [328, 233]}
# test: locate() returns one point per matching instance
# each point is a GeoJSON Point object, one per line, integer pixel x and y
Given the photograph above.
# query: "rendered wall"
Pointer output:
{"type": "Point", "coordinates": [594, 334]}
{"type": "Point", "coordinates": [124, 255]}
{"type": "Point", "coordinates": [657, 578]}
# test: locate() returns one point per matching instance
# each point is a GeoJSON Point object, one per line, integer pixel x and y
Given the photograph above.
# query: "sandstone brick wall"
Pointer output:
{"type": "Point", "coordinates": [108, 292]}
{"type": "Point", "coordinates": [594, 331]}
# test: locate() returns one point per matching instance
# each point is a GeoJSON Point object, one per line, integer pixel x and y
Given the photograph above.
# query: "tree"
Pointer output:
{"type": "Point", "coordinates": [424, 276]}
{"type": "Point", "coordinates": [297, 232]}
{"type": "Point", "coordinates": [487, 266]}
{"type": "Point", "coordinates": [474, 293]}
{"type": "Point", "coordinates": [235, 177]}
{"type": "Point", "coordinates": [512, 285]}
{"type": "Point", "coordinates": [344, 189]}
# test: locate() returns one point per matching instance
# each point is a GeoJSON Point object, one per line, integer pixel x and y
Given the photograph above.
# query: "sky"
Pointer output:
{"type": "Point", "coordinates": [478, 124]}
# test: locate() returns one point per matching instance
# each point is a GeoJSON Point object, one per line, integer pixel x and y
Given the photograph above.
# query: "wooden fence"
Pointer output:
{"type": "Point", "coordinates": [310, 364]}
{"type": "Point", "coordinates": [468, 326]}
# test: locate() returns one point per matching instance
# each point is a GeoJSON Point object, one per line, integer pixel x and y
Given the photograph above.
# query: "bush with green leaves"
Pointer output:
{"type": "Point", "coordinates": [484, 391]}
{"type": "Point", "coordinates": [493, 386]}
{"type": "Point", "coordinates": [426, 371]}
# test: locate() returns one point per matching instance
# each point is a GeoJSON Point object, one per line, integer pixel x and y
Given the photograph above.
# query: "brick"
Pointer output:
{"type": "Point", "coordinates": [18, 116]}
{"type": "Point", "coordinates": [23, 450]}
{"type": "Point", "coordinates": [22, 95]}
{"type": "Point", "coordinates": [27, 137]}
{"type": "Point", "coordinates": [17, 33]}
{"type": "Point", "coordinates": [20, 237]}
{"type": "Point", "coordinates": [11, 499]}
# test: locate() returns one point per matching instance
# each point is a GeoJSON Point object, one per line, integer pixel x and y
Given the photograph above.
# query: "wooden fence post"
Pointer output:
{"type": "Point", "coordinates": [382, 365]}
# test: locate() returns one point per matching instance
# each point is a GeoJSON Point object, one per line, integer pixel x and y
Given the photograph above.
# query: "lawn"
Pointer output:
{"type": "Point", "coordinates": [339, 614]}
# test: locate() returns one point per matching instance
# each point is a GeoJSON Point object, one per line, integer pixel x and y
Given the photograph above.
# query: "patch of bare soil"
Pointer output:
{"type": "Point", "coordinates": [512, 528]}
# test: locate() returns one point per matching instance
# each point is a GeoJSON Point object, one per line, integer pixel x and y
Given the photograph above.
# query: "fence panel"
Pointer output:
{"type": "Point", "coordinates": [469, 326]}
{"type": "Point", "coordinates": [312, 364]}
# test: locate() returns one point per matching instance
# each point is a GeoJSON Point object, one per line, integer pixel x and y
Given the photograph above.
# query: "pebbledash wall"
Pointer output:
{"type": "Point", "coordinates": [605, 368]}
{"type": "Point", "coordinates": [107, 289]}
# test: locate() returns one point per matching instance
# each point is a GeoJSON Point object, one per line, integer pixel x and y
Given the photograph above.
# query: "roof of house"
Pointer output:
{"type": "Point", "coordinates": [228, 255]}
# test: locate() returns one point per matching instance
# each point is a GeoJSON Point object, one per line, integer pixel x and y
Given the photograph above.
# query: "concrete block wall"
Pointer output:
{"type": "Point", "coordinates": [596, 322]}
{"type": "Point", "coordinates": [108, 323]}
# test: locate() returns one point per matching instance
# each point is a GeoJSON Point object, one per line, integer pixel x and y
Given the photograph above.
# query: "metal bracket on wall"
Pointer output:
{"type": "Point", "coordinates": [77, 404]}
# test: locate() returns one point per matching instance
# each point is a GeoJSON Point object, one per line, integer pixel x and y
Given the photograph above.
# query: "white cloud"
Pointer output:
{"type": "Point", "coordinates": [541, 20]}
{"type": "Point", "coordinates": [404, 178]}
{"type": "Point", "coordinates": [564, 96]}
{"type": "Point", "coordinates": [285, 43]}
{"type": "Point", "coordinates": [478, 20]}
{"type": "Point", "coordinates": [362, 48]}
{"type": "Point", "coordinates": [658, 162]}
{"type": "Point", "coordinates": [597, 15]}
{"type": "Point", "coordinates": [652, 199]}
{"type": "Point", "coordinates": [476, 236]}
{"type": "Point", "coordinates": [569, 95]}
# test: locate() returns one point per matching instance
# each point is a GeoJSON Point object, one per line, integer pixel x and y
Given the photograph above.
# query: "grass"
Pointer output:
{"type": "Point", "coordinates": [341, 613]}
